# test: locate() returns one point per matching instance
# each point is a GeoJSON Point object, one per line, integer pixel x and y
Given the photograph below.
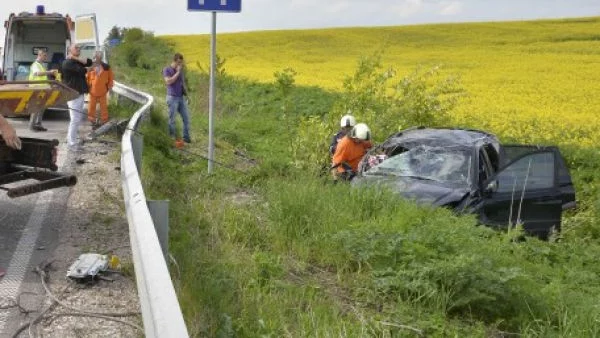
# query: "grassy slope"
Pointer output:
{"type": "Point", "coordinates": [271, 252]}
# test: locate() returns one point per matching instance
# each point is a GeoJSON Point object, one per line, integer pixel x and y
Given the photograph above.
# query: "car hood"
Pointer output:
{"type": "Point", "coordinates": [419, 190]}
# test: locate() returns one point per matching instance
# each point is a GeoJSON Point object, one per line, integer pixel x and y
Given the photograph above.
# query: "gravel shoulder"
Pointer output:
{"type": "Point", "coordinates": [94, 222]}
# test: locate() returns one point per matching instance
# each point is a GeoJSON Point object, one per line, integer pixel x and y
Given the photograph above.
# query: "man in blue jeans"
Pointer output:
{"type": "Point", "coordinates": [173, 75]}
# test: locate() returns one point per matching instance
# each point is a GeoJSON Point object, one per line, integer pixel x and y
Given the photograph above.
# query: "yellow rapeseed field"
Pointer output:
{"type": "Point", "coordinates": [536, 81]}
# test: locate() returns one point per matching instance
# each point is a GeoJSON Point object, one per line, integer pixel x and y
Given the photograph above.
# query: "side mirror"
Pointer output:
{"type": "Point", "coordinates": [491, 187]}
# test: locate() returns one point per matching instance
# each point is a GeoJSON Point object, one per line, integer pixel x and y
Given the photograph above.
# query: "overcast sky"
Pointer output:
{"type": "Point", "coordinates": [172, 16]}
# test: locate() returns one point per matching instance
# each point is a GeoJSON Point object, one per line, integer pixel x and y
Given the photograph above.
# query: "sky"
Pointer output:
{"type": "Point", "coordinates": [172, 17]}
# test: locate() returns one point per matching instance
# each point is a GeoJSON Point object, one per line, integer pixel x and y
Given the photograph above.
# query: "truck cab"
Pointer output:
{"type": "Point", "coordinates": [29, 32]}
{"type": "Point", "coordinates": [26, 34]}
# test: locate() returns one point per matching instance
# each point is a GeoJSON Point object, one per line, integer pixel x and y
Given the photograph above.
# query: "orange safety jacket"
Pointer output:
{"type": "Point", "coordinates": [350, 152]}
{"type": "Point", "coordinates": [101, 83]}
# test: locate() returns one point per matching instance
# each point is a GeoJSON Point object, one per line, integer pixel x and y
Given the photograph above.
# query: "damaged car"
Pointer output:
{"type": "Point", "coordinates": [469, 171]}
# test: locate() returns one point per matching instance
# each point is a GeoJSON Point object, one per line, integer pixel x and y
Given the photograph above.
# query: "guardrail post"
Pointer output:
{"type": "Point", "coordinates": [120, 98]}
{"type": "Point", "coordinates": [159, 211]}
{"type": "Point", "coordinates": [137, 142]}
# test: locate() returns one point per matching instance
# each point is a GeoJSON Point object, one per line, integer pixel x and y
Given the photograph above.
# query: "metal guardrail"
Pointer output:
{"type": "Point", "coordinates": [160, 309]}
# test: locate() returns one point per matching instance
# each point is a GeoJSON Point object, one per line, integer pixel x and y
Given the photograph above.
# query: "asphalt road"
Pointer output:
{"type": "Point", "coordinates": [28, 230]}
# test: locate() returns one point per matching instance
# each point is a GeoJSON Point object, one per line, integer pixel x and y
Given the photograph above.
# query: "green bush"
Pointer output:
{"type": "Point", "coordinates": [134, 35]}
{"type": "Point", "coordinates": [374, 96]}
{"type": "Point", "coordinates": [132, 54]}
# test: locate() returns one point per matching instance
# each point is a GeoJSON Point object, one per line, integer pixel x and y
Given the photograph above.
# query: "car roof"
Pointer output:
{"type": "Point", "coordinates": [442, 137]}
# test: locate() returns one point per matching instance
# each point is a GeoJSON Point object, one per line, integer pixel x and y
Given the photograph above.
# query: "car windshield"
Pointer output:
{"type": "Point", "coordinates": [441, 164]}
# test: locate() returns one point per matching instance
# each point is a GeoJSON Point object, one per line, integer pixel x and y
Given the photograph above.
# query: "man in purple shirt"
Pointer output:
{"type": "Point", "coordinates": [173, 75]}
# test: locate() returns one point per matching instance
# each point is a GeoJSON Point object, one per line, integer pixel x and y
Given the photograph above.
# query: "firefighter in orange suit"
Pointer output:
{"type": "Point", "coordinates": [100, 79]}
{"type": "Point", "coordinates": [350, 150]}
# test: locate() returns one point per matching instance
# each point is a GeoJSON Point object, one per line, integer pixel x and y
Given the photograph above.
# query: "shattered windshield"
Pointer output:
{"type": "Point", "coordinates": [441, 164]}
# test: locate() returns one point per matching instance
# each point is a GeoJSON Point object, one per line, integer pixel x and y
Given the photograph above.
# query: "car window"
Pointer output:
{"type": "Point", "coordinates": [444, 164]}
{"type": "Point", "coordinates": [510, 152]}
{"type": "Point", "coordinates": [22, 71]}
{"type": "Point", "coordinates": [483, 166]}
{"type": "Point", "coordinates": [534, 171]}
{"type": "Point", "coordinates": [492, 156]}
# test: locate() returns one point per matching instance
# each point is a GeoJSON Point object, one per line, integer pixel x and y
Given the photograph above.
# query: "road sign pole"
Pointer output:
{"type": "Point", "coordinates": [214, 6]}
{"type": "Point", "coordinates": [211, 90]}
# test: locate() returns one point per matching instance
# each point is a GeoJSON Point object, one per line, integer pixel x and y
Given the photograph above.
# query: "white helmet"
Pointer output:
{"type": "Point", "coordinates": [348, 121]}
{"type": "Point", "coordinates": [361, 131]}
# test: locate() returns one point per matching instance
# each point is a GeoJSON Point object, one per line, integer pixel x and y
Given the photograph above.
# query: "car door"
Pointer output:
{"type": "Point", "coordinates": [565, 183]}
{"type": "Point", "coordinates": [525, 191]}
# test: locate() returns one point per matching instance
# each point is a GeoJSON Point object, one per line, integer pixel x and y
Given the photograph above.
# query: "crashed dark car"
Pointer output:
{"type": "Point", "coordinates": [469, 171]}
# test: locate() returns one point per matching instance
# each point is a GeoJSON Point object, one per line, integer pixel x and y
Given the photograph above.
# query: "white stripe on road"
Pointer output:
{"type": "Point", "coordinates": [10, 284]}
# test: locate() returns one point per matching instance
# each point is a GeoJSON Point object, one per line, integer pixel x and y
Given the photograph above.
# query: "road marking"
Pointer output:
{"type": "Point", "coordinates": [10, 284]}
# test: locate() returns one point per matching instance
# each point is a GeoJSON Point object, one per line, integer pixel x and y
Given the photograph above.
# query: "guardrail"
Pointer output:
{"type": "Point", "coordinates": [160, 309]}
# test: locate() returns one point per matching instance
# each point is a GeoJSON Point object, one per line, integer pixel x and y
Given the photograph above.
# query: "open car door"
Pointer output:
{"type": "Point", "coordinates": [526, 191]}
{"type": "Point", "coordinates": [510, 152]}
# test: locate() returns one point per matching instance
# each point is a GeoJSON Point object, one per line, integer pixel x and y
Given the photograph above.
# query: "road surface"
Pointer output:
{"type": "Point", "coordinates": [28, 228]}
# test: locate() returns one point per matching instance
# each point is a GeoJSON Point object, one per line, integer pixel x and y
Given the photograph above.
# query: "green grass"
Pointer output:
{"type": "Point", "coordinates": [266, 249]}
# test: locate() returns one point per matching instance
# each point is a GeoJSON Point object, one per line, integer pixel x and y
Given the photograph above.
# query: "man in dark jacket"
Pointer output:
{"type": "Point", "coordinates": [73, 75]}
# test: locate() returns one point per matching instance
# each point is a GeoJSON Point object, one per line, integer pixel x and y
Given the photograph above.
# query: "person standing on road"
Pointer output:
{"type": "Point", "coordinates": [74, 72]}
{"type": "Point", "coordinates": [38, 72]}
{"type": "Point", "coordinates": [174, 79]}
{"type": "Point", "coordinates": [9, 134]}
{"type": "Point", "coordinates": [100, 79]}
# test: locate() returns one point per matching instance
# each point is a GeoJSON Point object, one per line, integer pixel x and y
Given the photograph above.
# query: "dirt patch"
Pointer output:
{"type": "Point", "coordinates": [242, 197]}
{"type": "Point", "coordinates": [95, 222]}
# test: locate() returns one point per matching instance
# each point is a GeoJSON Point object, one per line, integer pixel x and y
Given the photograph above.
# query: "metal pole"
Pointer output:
{"type": "Point", "coordinates": [211, 92]}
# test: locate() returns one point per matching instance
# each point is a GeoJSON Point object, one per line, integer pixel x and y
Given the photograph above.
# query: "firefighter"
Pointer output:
{"type": "Point", "coordinates": [350, 150]}
{"type": "Point", "coordinates": [346, 124]}
{"type": "Point", "coordinates": [100, 79]}
{"type": "Point", "coordinates": [9, 135]}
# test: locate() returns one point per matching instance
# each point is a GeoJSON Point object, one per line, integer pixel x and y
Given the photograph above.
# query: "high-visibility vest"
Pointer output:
{"type": "Point", "coordinates": [35, 68]}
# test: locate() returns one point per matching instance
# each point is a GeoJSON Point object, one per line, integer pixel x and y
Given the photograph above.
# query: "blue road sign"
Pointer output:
{"type": "Point", "coordinates": [215, 5]}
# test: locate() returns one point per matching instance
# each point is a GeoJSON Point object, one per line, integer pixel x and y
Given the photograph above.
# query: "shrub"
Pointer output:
{"type": "Point", "coordinates": [422, 98]}
{"type": "Point", "coordinates": [132, 54]}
